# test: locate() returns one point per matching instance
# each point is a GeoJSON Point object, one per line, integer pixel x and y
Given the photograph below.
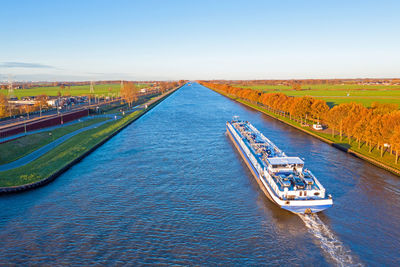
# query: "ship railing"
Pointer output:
{"type": "Point", "coordinates": [245, 148]}
{"type": "Point", "coordinates": [272, 183]}
{"type": "Point", "coordinates": [305, 194]}
{"type": "Point", "coordinates": [320, 186]}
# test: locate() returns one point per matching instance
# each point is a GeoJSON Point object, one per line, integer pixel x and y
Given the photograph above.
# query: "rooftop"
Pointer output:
{"type": "Point", "coordinates": [284, 160]}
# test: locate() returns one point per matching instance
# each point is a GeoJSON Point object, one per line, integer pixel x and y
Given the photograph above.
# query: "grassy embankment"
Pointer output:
{"type": "Point", "coordinates": [99, 90]}
{"type": "Point", "coordinates": [25, 145]}
{"type": "Point", "coordinates": [387, 161]}
{"type": "Point", "coordinates": [337, 94]}
{"type": "Point", "coordinates": [115, 108]}
{"type": "Point", "coordinates": [66, 153]}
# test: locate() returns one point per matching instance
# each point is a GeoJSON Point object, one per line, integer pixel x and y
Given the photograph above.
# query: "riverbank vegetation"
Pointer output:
{"type": "Point", "coordinates": [130, 92]}
{"type": "Point", "coordinates": [373, 131]}
{"type": "Point", "coordinates": [62, 155]}
{"type": "Point", "coordinates": [22, 146]}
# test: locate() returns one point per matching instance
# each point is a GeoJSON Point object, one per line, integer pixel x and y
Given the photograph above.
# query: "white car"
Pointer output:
{"type": "Point", "coordinates": [317, 127]}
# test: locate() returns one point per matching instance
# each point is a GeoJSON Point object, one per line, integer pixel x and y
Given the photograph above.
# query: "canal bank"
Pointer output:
{"type": "Point", "coordinates": [78, 150]}
{"type": "Point", "coordinates": [339, 146]}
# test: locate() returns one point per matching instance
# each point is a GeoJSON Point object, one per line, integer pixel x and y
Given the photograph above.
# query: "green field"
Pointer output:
{"type": "Point", "coordinates": [337, 94]}
{"type": "Point", "coordinates": [100, 90]}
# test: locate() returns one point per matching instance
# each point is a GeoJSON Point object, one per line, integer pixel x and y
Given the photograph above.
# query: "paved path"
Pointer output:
{"type": "Point", "coordinates": [110, 116]}
{"type": "Point", "coordinates": [4, 139]}
{"type": "Point", "coordinates": [46, 148]}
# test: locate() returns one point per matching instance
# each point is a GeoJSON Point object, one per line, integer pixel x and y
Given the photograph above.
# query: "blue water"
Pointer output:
{"type": "Point", "coordinates": [171, 189]}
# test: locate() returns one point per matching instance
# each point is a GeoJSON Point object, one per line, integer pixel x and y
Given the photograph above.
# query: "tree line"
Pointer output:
{"type": "Point", "coordinates": [130, 91]}
{"type": "Point", "coordinates": [377, 126]}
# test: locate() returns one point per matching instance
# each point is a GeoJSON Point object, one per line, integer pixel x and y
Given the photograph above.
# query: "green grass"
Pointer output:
{"type": "Point", "coordinates": [324, 87]}
{"type": "Point", "coordinates": [100, 89]}
{"type": "Point", "coordinates": [387, 159]}
{"type": "Point", "coordinates": [116, 109]}
{"type": "Point", "coordinates": [337, 94]}
{"type": "Point", "coordinates": [25, 145]}
{"type": "Point", "coordinates": [63, 154]}
{"type": "Point", "coordinates": [366, 101]}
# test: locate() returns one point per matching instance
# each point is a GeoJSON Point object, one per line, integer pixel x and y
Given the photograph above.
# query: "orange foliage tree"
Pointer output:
{"type": "Point", "coordinates": [129, 92]}
{"type": "Point", "coordinates": [3, 106]}
{"type": "Point", "coordinates": [395, 140]}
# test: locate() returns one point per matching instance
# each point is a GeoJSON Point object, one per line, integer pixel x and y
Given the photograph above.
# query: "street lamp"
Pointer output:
{"type": "Point", "coordinates": [25, 127]}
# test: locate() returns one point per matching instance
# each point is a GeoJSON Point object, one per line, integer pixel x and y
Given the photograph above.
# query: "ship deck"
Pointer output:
{"type": "Point", "coordinates": [290, 176]}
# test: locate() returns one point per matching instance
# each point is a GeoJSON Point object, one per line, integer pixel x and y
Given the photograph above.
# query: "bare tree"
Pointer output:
{"type": "Point", "coordinates": [129, 92]}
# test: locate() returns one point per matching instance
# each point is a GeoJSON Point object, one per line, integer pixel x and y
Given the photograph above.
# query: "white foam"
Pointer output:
{"type": "Point", "coordinates": [328, 241]}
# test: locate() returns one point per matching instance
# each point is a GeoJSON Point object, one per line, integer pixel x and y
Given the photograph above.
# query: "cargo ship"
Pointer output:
{"type": "Point", "coordinates": [283, 179]}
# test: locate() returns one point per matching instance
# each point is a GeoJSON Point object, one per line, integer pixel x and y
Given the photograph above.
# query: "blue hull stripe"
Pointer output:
{"type": "Point", "coordinates": [251, 164]}
{"type": "Point", "coordinates": [244, 153]}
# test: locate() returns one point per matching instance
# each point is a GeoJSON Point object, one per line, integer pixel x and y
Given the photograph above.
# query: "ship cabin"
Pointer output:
{"type": "Point", "coordinates": [285, 164]}
{"type": "Point", "coordinates": [287, 172]}
{"type": "Point", "coordinates": [292, 180]}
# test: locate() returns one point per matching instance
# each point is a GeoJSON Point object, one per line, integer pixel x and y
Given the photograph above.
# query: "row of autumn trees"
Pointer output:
{"type": "Point", "coordinates": [130, 91]}
{"type": "Point", "coordinates": [377, 126]}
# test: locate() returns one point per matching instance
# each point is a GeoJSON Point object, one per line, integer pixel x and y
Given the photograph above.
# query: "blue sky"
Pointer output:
{"type": "Point", "coordinates": [165, 40]}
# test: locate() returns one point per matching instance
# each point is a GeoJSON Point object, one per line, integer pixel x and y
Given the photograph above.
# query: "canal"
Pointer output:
{"type": "Point", "coordinates": [171, 189]}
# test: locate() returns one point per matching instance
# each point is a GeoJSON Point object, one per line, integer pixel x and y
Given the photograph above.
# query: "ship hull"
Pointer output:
{"type": "Point", "coordinates": [295, 206]}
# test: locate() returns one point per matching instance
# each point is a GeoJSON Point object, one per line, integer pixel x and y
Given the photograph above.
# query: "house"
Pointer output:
{"type": "Point", "coordinates": [52, 102]}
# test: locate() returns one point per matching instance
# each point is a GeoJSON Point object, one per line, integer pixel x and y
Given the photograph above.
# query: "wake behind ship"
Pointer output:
{"type": "Point", "coordinates": [283, 179]}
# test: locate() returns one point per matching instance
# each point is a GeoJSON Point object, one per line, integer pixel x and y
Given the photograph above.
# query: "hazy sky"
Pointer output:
{"type": "Point", "coordinates": [188, 39]}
